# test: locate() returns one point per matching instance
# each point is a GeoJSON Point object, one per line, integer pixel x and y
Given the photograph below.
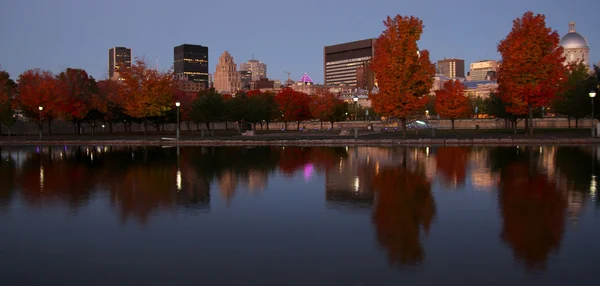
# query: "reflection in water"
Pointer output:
{"type": "Point", "coordinates": [537, 189]}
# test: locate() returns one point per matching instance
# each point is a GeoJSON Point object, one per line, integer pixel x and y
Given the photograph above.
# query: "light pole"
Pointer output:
{"type": "Point", "coordinates": [592, 95]}
{"type": "Point", "coordinates": [177, 104]}
{"type": "Point", "coordinates": [41, 108]}
{"type": "Point", "coordinates": [355, 107]}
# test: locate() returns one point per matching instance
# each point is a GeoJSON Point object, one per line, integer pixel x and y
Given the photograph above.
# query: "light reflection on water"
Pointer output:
{"type": "Point", "coordinates": [298, 215]}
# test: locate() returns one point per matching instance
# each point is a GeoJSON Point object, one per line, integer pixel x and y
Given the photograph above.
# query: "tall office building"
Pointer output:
{"type": "Point", "coordinates": [482, 70]}
{"type": "Point", "coordinates": [256, 68]}
{"type": "Point", "coordinates": [226, 77]}
{"type": "Point", "coordinates": [340, 62]}
{"type": "Point", "coordinates": [191, 61]}
{"type": "Point", "coordinates": [117, 58]}
{"type": "Point", "coordinates": [452, 67]}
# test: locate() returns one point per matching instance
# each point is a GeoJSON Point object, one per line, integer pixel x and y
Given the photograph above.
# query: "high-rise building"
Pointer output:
{"type": "Point", "coordinates": [192, 61]}
{"type": "Point", "coordinates": [481, 70]}
{"type": "Point", "coordinates": [452, 67]}
{"type": "Point", "coordinates": [246, 77]}
{"type": "Point", "coordinates": [340, 62]}
{"type": "Point", "coordinates": [117, 58]}
{"type": "Point", "coordinates": [256, 68]}
{"type": "Point", "coordinates": [226, 77]}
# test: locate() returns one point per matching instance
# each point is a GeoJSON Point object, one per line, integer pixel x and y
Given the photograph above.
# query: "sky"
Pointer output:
{"type": "Point", "coordinates": [286, 35]}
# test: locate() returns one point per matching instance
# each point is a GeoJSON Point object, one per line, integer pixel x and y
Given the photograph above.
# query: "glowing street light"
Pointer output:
{"type": "Point", "coordinates": [355, 98]}
{"type": "Point", "coordinates": [177, 104]}
{"type": "Point", "coordinates": [40, 108]}
{"type": "Point", "coordinates": [592, 95]}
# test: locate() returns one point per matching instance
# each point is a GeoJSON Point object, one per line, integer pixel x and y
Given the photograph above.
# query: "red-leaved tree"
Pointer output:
{"type": "Point", "coordinates": [532, 71]}
{"type": "Point", "coordinates": [451, 102]}
{"type": "Point", "coordinates": [293, 105]}
{"type": "Point", "coordinates": [39, 88]}
{"type": "Point", "coordinates": [326, 106]}
{"type": "Point", "coordinates": [74, 100]}
{"type": "Point", "coordinates": [404, 74]}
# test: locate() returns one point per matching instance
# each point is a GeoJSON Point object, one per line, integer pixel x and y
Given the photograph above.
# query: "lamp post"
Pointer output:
{"type": "Point", "coordinates": [41, 108]}
{"type": "Point", "coordinates": [177, 104]}
{"type": "Point", "coordinates": [355, 98]}
{"type": "Point", "coordinates": [592, 95]}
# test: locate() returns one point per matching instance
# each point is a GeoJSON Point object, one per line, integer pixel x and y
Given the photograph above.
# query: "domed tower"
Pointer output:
{"type": "Point", "coordinates": [575, 46]}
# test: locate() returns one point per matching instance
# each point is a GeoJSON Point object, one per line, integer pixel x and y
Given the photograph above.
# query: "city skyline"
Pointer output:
{"type": "Point", "coordinates": [473, 37]}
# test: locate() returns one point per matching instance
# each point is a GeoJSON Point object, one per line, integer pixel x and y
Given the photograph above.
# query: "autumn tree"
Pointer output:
{"type": "Point", "coordinates": [574, 100]}
{"type": "Point", "coordinates": [146, 92]}
{"type": "Point", "coordinates": [262, 107]}
{"type": "Point", "coordinates": [76, 92]}
{"type": "Point", "coordinates": [208, 107]}
{"type": "Point", "coordinates": [107, 101]}
{"type": "Point", "coordinates": [404, 74]}
{"type": "Point", "coordinates": [327, 106]}
{"type": "Point", "coordinates": [451, 162]}
{"type": "Point", "coordinates": [8, 90]}
{"type": "Point", "coordinates": [531, 70]}
{"type": "Point", "coordinates": [451, 102]}
{"type": "Point", "coordinates": [293, 105]}
{"type": "Point", "coordinates": [39, 88]}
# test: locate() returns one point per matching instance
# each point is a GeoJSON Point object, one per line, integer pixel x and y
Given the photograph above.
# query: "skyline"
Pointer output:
{"type": "Point", "coordinates": [290, 37]}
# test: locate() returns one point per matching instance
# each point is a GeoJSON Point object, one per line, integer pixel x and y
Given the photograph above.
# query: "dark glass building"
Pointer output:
{"type": "Point", "coordinates": [118, 57]}
{"type": "Point", "coordinates": [191, 62]}
{"type": "Point", "coordinates": [340, 62]}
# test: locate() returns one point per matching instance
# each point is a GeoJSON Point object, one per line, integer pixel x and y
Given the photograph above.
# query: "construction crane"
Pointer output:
{"type": "Point", "coordinates": [289, 73]}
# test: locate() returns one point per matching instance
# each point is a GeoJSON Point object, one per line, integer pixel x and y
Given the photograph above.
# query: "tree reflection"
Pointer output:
{"type": "Point", "coordinates": [451, 162]}
{"type": "Point", "coordinates": [7, 177]}
{"type": "Point", "coordinates": [532, 209]}
{"type": "Point", "coordinates": [404, 204]}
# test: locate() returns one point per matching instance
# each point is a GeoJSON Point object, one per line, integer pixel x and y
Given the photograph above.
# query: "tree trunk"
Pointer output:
{"type": "Point", "coordinates": [514, 126]}
{"type": "Point", "coordinates": [332, 125]}
{"type": "Point", "coordinates": [569, 121]}
{"type": "Point", "coordinates": [207, 126]}
{"type": "Point", "coordinates": [403, 127]}
{"type": "Point", "coordinates": [110, 127]}
{"type": "Point", "coordinates": [75, 128]}
{"type": "Point", "coordinates": [285, 124]}
{"type": "Point", "coordinates": [188, 125]}
{"type": "Point", "coordinates": [267, 125]}
{"type": "Point", "coordinates": [530, 107]}
{"type": "Point", "coordinates": [49, 126]}
{"type": "Point", "coordinates": [8, 133]}
{"type": "Point", "coordinates": [254, 126]}
{"type": "Point", "coordinates": [93, 127]}
{"type": "Point", "coordinates": [298, 125]}
{"type": "Point", "coordinates": [321, 125]}
{"type": "Point", "coordinates": [452, 121]}
{"type": "Point", "coordinates": [576, 122]}
{"type": "Point", "coordinates": [145, 128]}
{"type": "Point", "coordinates": [225, 125]}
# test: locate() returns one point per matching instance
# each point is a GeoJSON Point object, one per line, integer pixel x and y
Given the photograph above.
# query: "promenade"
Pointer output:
{"type": "Point", "coordinates": [319, 138]}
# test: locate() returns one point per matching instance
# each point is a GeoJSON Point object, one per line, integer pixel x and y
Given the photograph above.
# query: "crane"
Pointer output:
{"type": "Point", "coordinates": [288, 73]}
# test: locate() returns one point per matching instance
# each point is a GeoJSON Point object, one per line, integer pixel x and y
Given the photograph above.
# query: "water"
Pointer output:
{"type": "Point", "coordinates": [96, 215]}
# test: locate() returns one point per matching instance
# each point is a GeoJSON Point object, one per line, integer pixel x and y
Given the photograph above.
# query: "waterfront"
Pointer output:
{"type": "Point", "coordinates": [99, 215]}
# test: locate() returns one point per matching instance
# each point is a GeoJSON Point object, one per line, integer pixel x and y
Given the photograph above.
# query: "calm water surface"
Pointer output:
{"type": "Point", "coordinates": [96, 215]}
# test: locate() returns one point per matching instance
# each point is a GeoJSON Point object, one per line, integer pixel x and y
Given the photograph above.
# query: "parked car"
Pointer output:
{"type": "Point", "coordinates": [418, 124]}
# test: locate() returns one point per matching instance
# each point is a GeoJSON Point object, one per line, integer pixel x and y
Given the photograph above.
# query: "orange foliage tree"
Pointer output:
{"type": "Point", "coordinates": [106, 101]}
{"type": "Point", "coordinates": [404, 74]}
{"type": "Point", "coordinates": [39, 88]}
{"type": "Point", "coordinates": [327, 106]}
{"type": "Point", "coordinates": [293, 105]}
{"type": "Point", "coordinates": [531, 71]}
{"type": "Point", "coordinates": [451, 102]}
{"type": "Point", "coordinates": [76, 91]}
{"type": "Point", "coordinates": [145, 92]}
{"type": "Point", "coordinates": [405, 205]}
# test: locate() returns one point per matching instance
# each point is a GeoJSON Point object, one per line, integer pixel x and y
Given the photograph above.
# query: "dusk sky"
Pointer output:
{"type": "Point", "coordinates": [286, 35]}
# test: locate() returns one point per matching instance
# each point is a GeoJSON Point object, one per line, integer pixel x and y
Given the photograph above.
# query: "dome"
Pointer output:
{"type": "Point", "coordinates": [573, 40]}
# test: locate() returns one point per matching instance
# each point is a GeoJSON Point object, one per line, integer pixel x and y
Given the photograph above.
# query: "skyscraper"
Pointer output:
{"type": "Point", "coordinates": [256, 68]}
{"type": "Point", "coordinates": [226, 77]}
{"type": "Point", "coordinates": [341, 61]}
{"type": "Point", "coordinates": [117, 58]}
{"type": "Point", "coordinates": [452, 67]}
{"type": "Point", "coordinates": [482, 69]}
{"type": "Point", "coordinates": [192, 61]}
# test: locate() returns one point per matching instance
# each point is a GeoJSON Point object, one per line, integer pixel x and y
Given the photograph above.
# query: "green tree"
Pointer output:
{"type": "Point", "coordinates": [8, 88]}
{"type": "Point", "coordinates": [208, 107]}
{"type": "Point", "coordinates": [573, 102]}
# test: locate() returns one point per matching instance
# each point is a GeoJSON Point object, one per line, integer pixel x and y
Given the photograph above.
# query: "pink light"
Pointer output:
{"type": "Point", "coordinates": [308, 171]}
{"type": "Point", "coordinates": [305, 78]}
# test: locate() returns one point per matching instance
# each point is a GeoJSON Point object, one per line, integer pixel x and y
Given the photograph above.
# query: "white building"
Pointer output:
{"type": "Point", "coordinates": [575, 46]}
{"type": "Point", "coordinates": [256, 68]}
{"type": "Point", "coordinates": [480, 70]}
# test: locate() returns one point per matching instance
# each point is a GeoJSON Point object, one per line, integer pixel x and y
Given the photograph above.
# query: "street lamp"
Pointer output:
{"type": "Point", "coordinates": [592, 95]}
{"type": "Point", "coordinates": [355, 107]}
{"type": "Point", "coordinates": [177, 104]}
{"type": "Point", "coordinates": [40, 108]}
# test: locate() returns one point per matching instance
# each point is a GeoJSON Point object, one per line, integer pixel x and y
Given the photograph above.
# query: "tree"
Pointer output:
{"type": "Point", "coordinates": [106, 101]}
{"type": "Point", "coordinates": [326, 106]}
{"type": "Point", "coordinates": [146, 92]}
{"type": "Point", "coordinates": [208, 107]}
{"type": "Point", "coordinates": [404, 74]}
{"type": "Point", "coordinates": [76, 91]}
{"type": "Point", "coordinates": [574, 99]}
{"type": "Point", "coordinates": [451, 162]}
{"type": "Point", "coordinates": [38, 88]}
{"type": "Point", "coordinates": [450, 101]}
{"type": "Point", "coordinates": [293, 105]}
{"type": "Point", "coordinates": [8, 89]}
{"type": "Point", "coordinates": [531, 70]}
